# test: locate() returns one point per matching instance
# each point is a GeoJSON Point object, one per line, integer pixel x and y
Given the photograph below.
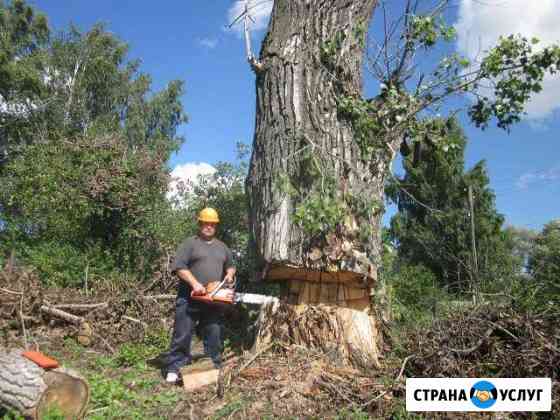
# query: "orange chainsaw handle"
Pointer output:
{"type": "Point", "coordinates": [209, 299]}
{"type": "Point", "coordinates": [212, 295]}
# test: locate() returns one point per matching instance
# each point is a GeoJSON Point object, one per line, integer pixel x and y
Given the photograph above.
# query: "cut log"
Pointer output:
{"type": "Point", "coordinates": [85, 331]}
{"type": "Point", "coordinates": [198, 375]}
{"type": "Point", "coordinates": [33, 391]}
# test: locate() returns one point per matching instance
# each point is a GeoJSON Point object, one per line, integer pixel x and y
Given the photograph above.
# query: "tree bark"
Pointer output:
{"type": "Point", "coordinates": [311, 57]}
{"type": "Point", "coordinates": [31, 390]}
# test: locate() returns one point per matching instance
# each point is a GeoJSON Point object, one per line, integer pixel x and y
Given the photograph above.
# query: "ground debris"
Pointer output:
{"type": "Point", "coordinates": [102, 318]}
{"type": "Point", "coordinates": [283, 380]}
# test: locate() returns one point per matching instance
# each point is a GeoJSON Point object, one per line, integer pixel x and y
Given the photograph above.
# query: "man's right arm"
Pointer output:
{"type": "Point", "coordinates": [188, 277]}
{"type": "Point", "coordinates": [180, 267]}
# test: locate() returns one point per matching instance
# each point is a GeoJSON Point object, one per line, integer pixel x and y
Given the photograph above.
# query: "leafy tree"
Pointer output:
{"type": "Point", "coordinates": [86, 177]}
{"type": "Point", "coordinates": [433, 226]}
{"type": "Point", "coordinates": [523, 243]}
{"type": "Point", "coordinates": [24, 35]}
{"type": "Point", "coordinates": [544, 264]}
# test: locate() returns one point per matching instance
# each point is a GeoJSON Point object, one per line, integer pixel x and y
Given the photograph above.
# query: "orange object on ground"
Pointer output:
{"type": "Point", "coordinates": [40, 359]}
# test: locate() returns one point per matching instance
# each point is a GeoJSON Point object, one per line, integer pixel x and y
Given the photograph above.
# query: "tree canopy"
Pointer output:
{"type": "Point", "coordinates": [86, 140]}
{"type": "Point", "coordinates": [433, 226]}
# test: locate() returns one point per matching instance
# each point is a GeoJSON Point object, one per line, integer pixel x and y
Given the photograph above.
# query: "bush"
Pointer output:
{"type": "Point", "coordinates": [65, 264]}
{"type": "Point", "coordinates": [415, 294]}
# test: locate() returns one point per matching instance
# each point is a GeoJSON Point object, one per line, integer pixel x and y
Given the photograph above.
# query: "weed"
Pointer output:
{"type": "Point", "coordinates": [352, 413]}
{"type": "Point", "coordinates": [229, 409]}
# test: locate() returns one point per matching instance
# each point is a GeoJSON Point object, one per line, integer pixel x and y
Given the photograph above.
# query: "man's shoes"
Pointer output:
{"type": "Point", "coordinates": [172, 378]}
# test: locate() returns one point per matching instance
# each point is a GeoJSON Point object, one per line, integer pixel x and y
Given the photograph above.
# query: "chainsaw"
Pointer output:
{"type": "Point", "coordinates": [217, 293]}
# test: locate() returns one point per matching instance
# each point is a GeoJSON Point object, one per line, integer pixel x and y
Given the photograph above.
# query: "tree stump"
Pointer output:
{"type": "Point", "coordinates": [32, 390]}
{"type": "Point", "coordinates": [331, 316]}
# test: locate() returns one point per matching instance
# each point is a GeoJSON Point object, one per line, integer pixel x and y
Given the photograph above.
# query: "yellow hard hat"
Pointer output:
{"type": "Point", "coordinates": [208, 215]}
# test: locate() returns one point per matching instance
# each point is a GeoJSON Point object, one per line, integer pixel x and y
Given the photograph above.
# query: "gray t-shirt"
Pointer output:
{"type": "Point", "coordinates": [207, 261]}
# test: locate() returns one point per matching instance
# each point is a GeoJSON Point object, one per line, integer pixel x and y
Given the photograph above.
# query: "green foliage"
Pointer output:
{"type": "Point", "coordinates": [65, 264]}
{"type": "Point", "coordinates": [428, 30]}
{"type": "Point", "coordinates": [414, 291]}
{"type": "Point", "coordinates": [544, 266]}
{"type": "Point", "coordinates": [360, 33]}
{"type": "Point", "coordinates": [373, 121]}
{"type": "Point", "coordinates": [229, 409]}
{"type": "Point", "coordinates": [330, 49]}
{"type": "Point", "coordinates": [518, 72]}
{"type": "Point", "coordinates": [84, 178]}
{"type": "Point", "coordinates": [23, 32]}
{"type": "Point", "coordinates": [432, 227]}
{"type": "Point", "coordinates": [92, 196]}
{"type": "Point", "coordinates": [352, 413]}
{"type": "Point", "coordinates": [321, 210]}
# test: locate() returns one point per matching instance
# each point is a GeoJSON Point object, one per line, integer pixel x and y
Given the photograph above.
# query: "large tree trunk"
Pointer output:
{"type": "Point", "coordinates": [32, 390]}
{"type": "Point", "coordinates": [310, 59]}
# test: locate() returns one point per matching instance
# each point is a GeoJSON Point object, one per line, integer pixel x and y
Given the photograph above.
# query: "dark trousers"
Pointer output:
{"type": "Point", "coordinates": [187, 314]}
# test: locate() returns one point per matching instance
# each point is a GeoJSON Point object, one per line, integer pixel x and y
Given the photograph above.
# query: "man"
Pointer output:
{"type": "Point", "coordinates": [199, 260]}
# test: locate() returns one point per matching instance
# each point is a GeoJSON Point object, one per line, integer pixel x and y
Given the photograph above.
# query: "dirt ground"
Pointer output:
{"type": "Point", "coordinates": [284, 381]}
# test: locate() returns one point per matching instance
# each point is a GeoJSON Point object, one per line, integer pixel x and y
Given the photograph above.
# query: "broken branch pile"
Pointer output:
{"type": "Point", "coordinates": [489, 342]}
{"type": "Point", "coordinates": [103, 318]}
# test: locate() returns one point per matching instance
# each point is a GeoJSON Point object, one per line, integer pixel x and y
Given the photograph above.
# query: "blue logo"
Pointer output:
{"type": "Point", "coordinates": [483, 394]}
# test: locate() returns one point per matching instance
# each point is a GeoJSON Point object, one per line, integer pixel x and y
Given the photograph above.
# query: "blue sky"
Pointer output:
{"type": "Point", "coordinates": [187, 40]}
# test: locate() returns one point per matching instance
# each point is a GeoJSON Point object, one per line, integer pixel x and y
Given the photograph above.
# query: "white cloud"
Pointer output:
{"type": "Point", "coordinates": [209, 43]}
{"type": "Point", "coordinates": [547, 176]}
{"type": "Point", "coordinates": [480, 24]}
{"type": "Point", "coordinates": [259, 10]}
{"type": "Point", "coordinates": [187, 175]}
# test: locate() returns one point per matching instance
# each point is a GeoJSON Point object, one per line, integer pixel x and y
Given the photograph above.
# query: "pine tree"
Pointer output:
{"type": "Point", "coordinates": [433, 226]}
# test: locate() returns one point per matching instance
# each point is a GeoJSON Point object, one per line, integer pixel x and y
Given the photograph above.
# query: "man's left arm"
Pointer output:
{"type": "Point", "coordinates": [230, 268]}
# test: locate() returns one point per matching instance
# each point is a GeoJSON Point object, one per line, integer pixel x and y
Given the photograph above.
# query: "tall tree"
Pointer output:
{"type": "Point", "coordinates": [24, 35]}
{"type": "Point", "coordinates": [433, 225]}
{"type": "Point", "coordinates": [321, 152]}
{"type": "Point", "coordinates": [101, 138]}
{"type": "Point", "coordinates": [544, 264]}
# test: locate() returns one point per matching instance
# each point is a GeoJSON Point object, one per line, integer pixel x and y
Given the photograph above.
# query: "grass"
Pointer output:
{"type": "Point", "coordinates": [122, 385]}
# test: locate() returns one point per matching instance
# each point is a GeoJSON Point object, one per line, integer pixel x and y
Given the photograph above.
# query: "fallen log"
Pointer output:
{"type": "Point", "coordinates": [33, 391]}
{"type": "Point", "coordinates": [85, 331]}
{"type": "Point", "coordinates": [60, 314]}
{"type": "Point", "coordinates": [81, 307]}
{"type": "Point", "coordinates": [160, 297]}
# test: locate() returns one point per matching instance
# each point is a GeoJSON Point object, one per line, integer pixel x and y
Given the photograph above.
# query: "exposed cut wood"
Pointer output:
{"type": "Point", "coordinates": [201, 373]}
{"type": "Point", "coordinates": [32, 390]}
{"type": "Point", "coordinates": [349, 335]}
{"type": "Point", "coordinates": [290, 272]}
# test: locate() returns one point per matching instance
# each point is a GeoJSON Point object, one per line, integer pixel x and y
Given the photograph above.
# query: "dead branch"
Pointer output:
{"type": "Point", "coordinates": [405, 361]}
{"type": "Point", "coordinates": [24, 331]}
{"type": "Point", "coordinates": [136, 321]}
{"type": "Point", "coordinates": [252, 359]}
{"type": "Point", "coordinates": [11, 292]}
{"type": "Point", "coordinates": [109, 347]}
{"type": "Point", "coordinates": [160, 297]}
{"type": "Point", "coordinates": [59, 314]}
{"type": "Point", "coordinates": [81, 306]}
{"type": "Point", "coordinates": [479, 343]}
